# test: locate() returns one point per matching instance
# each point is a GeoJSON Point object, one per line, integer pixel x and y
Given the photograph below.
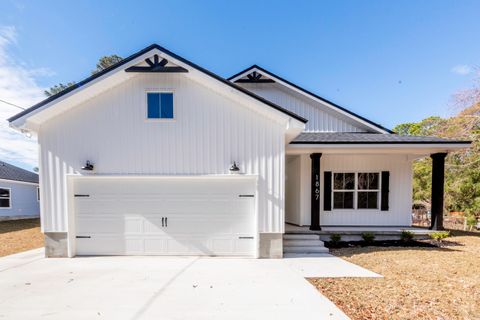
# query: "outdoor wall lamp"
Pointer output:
{"type": "Point", "coordinates": [234, 168]}
{"type": "Point", "coordinates": [88, 166]}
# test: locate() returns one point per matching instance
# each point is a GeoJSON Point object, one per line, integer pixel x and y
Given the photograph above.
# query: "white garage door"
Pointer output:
{"type": "Point", "coordinates": [165, 216]}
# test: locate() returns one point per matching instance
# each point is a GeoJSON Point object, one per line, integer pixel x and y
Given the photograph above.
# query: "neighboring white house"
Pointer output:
{"type": "Point", "coordinates": [156, 155]}
{"type": "Point", "coordinates": [19, 193]}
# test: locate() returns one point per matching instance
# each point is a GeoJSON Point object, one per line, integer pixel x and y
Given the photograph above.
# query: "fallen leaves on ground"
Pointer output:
{"type": "Point", "coordinates": [20, 235]}
{"type": "Point", "coordinates": [418, 283]}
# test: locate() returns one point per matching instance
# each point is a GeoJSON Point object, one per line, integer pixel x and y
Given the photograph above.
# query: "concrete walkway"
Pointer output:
{"type": "Point", "coordinates": [160, 288]}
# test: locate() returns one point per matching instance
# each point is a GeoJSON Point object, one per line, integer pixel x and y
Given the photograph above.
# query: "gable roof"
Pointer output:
{"type": "Point", "coordinates": [331, 104]}
{"type": "Point", "coordinates": [11, 172]}
{"type": "Point", "coordinates": [79, 85]}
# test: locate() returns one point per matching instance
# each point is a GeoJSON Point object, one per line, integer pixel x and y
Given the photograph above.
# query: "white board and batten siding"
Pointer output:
{"type": "Point", "coordinates": [400, 195]}
{"type": "Point", "coordinates": [320, 117]}
{"type": "Point", "coordinates": [209, 132]}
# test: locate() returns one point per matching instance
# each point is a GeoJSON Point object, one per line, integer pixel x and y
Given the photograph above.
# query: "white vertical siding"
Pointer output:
{"type": "Point", "coordinates": [400, 195]}
{"type": "Point", "coordinates": [209, 132]}
{"type": "Point", "coordinates": [320, 117]}
{"type": "Point", "coordinates": [292, 190]}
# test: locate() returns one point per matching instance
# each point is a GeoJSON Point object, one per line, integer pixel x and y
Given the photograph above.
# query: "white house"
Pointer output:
{"type": "Point", "coordinates": [158, 156]}
{"type": "Point", "coordinates": [19, 193]}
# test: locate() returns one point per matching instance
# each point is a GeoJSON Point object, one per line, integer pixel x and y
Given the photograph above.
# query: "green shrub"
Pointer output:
{"type": "Point", "coordinates": [439, 235]}
{"type": "Point", "coordinates": [368, 237]}
{"type": "Point", "coordinates": [471, 220]}
{"type": "Point", "coordinates": [406, 235]}
{"type": "Point", "coordinates": [335, 238]}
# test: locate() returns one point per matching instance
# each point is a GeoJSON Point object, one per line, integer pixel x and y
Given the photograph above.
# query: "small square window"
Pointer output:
{"type": "Point", "coordinates": [344, 181]}
{"type": "Point", "coordinates": [343, 200]}
{"type": "Point", "coordinates": [159, 105]}
{"type": "Point", "coordinates": [368, 181]}
{"type": "Point", "coordinates": [367, 200]}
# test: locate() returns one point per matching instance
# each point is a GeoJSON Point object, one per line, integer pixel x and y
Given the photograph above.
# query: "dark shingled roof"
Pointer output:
{"type": "Point", "coordinates": [367, 138]}
{"type": "Point", "coordinates": [9, 172]}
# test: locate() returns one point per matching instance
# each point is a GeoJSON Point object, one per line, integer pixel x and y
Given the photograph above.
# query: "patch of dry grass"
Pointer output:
{"type": "Point", "coordinates": [20, 235]}
{"type": "Point", "coordinates": [418, 283]}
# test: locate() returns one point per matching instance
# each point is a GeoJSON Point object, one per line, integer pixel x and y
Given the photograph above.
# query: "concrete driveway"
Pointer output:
{"type": "Point", "coordinates": [32, 287]}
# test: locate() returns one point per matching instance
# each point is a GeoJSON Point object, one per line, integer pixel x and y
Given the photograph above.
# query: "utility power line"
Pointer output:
{"type": "Point", "coordinates": [12, 104]}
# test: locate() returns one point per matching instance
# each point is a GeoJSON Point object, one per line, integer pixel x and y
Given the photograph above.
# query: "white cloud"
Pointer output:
{"type": "Point", "coordinates": [462, 69]}
{"type": "Point", "coordinates": [18, 86]}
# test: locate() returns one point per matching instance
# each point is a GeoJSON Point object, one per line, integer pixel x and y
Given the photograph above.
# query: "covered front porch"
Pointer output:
{"type": "Point", "coordinates": [350, 188]}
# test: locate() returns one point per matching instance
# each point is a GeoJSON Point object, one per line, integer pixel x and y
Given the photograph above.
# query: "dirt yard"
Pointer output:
{"type": "Point", "coordinates": [19, 235]}
{"type": "Point", "coordinates": [418, 283]}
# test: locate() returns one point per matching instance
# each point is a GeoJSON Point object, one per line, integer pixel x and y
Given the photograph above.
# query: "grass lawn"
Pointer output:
{"type": "Point", "coordinates": [19, 235]}
{"type": "Point", "coordinates": [418, 283]}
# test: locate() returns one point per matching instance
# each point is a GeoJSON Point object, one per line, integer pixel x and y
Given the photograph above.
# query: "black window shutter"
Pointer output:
{"type": "Point", "coordinates": [385, 190]}
{"type": "Point", "coordinates": [327, 191]}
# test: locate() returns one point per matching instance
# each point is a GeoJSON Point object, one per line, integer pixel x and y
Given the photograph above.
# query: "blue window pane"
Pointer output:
{"type": "Point", "coordinates": [153, 103]}
{"type": "Point", "coordinates": [166, 106]}
{"type": "Point", "coordinates": [160, 105]}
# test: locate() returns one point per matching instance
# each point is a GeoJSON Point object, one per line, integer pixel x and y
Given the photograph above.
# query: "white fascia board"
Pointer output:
{"type": "Point", "coordinates": [334, 108]}
{"type": "Point", "coordinates": [417, 149]}
{"type": "Point", "coordinates": [294, 128]}
{"type": "Point", "coordinates": [19, 182]}
{"type": "Point", "coordinates": [33, 120]}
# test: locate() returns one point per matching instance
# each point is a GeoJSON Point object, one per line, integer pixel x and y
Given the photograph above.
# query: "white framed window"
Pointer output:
{"type": "Point", "coordinates": [38, 193]}
{"type": "Point", "coordinates": [5, 198]}
{"type": "Point", "coordinates": [356, 190]}
{"type": "Point", "coordinates": [368, 190]}
{"type": "Point", "coordinates": [159, 105]}
{"type": "Point", "coordinates": [343, 190]}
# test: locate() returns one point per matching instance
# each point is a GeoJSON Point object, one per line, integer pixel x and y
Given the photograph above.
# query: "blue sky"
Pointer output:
{"type": "Point", "coordinates": [390, 61]}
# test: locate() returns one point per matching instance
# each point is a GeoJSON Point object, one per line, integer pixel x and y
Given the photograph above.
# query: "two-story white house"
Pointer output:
{"type": "Point", "coordinates": [158, 156]}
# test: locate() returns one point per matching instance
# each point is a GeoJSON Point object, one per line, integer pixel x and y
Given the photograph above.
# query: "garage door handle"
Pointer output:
{"type": "Point", "coordinates": [245, 237]}
{"type": "Point", "coordinates": [166, 222]}
{"type": "Point", "coordinates": [163, 222]}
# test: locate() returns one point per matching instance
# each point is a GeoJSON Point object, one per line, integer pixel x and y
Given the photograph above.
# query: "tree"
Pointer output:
{"type": "Point", "coordinates": [462, 168]}
{"type": "Point", "coordinates": [57, 88]}
{"type": "Point", "coordinates": [102, 64]}
{"type": "Point", "coordinates": [106, 61]}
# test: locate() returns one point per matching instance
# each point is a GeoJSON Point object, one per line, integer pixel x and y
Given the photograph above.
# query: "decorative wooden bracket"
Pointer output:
{"type": "Point", "coordinates": [155, 66]}
{"type": "Point", "coordinates": [255, 77]}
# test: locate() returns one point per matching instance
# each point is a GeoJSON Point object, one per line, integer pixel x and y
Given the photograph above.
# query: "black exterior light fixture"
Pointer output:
{"type": "Point", "coordinates": [88, 166]}
{"type": "Point", "coordinates": [234, 168]}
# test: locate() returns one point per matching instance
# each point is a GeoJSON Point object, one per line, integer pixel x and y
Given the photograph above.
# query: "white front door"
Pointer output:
{"type": "Point", "coordinates": [165, 216]}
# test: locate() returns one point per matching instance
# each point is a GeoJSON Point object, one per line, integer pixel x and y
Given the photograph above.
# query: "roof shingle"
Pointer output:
{"type": "Point", "coordinates": [10, 172]}
{"type": "Point", "coordinates": [367, 138]}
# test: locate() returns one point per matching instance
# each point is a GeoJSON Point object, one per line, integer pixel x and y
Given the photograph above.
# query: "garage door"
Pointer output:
{"type": "Point", "coordinates": [165, 216]}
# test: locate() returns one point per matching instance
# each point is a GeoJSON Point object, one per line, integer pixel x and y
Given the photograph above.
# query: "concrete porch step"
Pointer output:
{"type": "Point", "coordinates": [307, 255]}
{"type": "Point", "coordinates": [303, 243]}
{"type": "Point", "coordinates": [305, 249]}
{"type": "Point", "coordinates": [296, 236]}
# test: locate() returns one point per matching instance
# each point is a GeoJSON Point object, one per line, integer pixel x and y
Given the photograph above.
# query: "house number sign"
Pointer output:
{"type": "Point", "coordinates": [317, 187]}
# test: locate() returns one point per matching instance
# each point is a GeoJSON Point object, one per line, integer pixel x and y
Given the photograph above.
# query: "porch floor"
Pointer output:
{"type": "Point", "coordinates": [290, 228]}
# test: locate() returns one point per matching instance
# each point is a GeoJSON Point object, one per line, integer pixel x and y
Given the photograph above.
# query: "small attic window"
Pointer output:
{"type": "Point", "coordinates": [159, 105]}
